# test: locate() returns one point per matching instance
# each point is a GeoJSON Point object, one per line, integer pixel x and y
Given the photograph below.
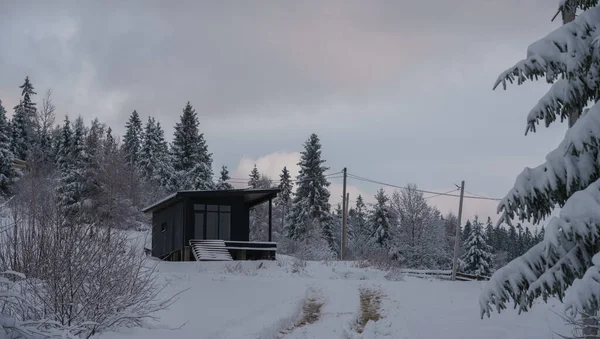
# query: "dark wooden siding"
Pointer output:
{"type": "Point", "coordinates": [164, 242]}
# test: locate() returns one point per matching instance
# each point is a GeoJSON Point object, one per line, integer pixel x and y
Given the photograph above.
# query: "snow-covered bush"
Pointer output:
{"type": "Point", "coordinates": [15, 309]}
{"type": "Point", "coordinates": [313, 247]}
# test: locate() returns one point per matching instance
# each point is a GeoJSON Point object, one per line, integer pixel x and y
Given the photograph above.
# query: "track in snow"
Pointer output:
{"type": "Point", "coordinates": [340, 308]}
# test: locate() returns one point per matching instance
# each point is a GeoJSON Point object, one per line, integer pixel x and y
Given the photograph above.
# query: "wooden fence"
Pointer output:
{"type": "Point", "coordinates": [443, 274]}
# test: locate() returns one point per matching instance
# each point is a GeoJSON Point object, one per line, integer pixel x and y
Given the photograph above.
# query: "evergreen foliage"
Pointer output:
{"type": "Point", "coordinates": [191, 160]}
{"type": "Point", "coordinates": [155, 161]}
{"type": "Point", "coordinates": [310, 206]}
{"type": "Point", "coordinates": [254, 181]}
{"type": "Point", "coordinates": [568, 257]}
{"type": "Point", "coordinates": [7, 172]}
{"type": "Point", "coordinates": [132, 140]}
{"type": "Point", "coordinates": [223, 183]}
{"type": "Point", "coordinates": [380, 219]}
{"type": "Point", "coordinates": [478, 257]}
{"type": "Point", "coordinates": [23, 123]}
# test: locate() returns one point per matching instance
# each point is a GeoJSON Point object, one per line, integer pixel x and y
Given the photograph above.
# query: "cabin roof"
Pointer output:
{"type": "Point", "coordinates": [252, 196]}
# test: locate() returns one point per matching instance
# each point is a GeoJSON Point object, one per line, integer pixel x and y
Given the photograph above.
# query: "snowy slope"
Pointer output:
{"type": "Point", "coordinates": [264, 300]}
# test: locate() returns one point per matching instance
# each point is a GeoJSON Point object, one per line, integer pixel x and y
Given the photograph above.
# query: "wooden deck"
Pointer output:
{"type": "Point", "coordinates": [222, 250]}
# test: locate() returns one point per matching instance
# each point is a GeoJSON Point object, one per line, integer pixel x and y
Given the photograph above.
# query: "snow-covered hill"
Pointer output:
{"type": "Point", "coordinates": [265, 300]}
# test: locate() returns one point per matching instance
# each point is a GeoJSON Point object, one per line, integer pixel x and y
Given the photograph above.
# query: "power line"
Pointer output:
{"type": "Point", "coordinates": [335, 175]}
{"type": "Point", "coordinates": [422, 191]}
{"type": "Point", "coordinates": [437, 195]}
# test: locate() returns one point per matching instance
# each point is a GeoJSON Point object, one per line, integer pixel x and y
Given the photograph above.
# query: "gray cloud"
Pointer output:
{"type": "Point", "coordinates": [398, 91]}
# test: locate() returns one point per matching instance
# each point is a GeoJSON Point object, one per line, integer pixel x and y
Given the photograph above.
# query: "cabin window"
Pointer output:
{"type": "Point", "coordinates": [215, 223]}
{"type": "Point", "coordinates": [199, 207]}
{"type": "Point", "coordinates": [199, 225]}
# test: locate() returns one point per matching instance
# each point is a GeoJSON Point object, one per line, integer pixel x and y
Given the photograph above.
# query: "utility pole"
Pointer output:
{"type": "Point", "coordinates": [344, 218]}
{"type": "Point", "coordinates": [457, 238]}
{"type": "Point", "coordinates": [345, 238]}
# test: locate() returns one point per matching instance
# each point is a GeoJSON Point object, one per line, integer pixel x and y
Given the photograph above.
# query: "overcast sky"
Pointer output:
{"type": "Point", "coordinates": [398, 91]}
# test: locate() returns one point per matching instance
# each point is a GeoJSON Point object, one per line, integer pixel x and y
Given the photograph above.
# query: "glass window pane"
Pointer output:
{"type": "Point", "coordinates": [212, 207]}
{"type": "Point", "coordinates": [212, 225]}
{"type": "Point", "coordinates": [199, 207]}
{"type": "Point", "coordinates": [199, 226]}
{"type": "Point", "coordinates": [225, 208]}
{"type": "Point", "coordinates": [225, 226]}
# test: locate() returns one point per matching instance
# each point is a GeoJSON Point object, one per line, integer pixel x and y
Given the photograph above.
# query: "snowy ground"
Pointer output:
{"type": "Point", "coordinates": [264, 300]}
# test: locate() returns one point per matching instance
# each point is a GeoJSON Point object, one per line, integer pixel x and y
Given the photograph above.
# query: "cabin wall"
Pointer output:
{"type": "Point", "coordinates": [171, 238]}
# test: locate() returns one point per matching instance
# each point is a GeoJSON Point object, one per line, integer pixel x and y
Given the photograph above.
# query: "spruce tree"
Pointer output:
{"type": "Point", "coordinates": [92, 151]}
{"type": "Point", "coordinates": [466, 231]}
{"type": "Point", "coordinates": [254, 181]}
{"type": "Point", "coordinates": [223, 183]}
{"type": "Point", "coordinates": [310, 207]}
{"type": "Point", "coordinates": [155, 162]}
{"type": "Point", "coordinates": [380, 219]}
{"type": "Point", "coordinates": [191, 160]}
{"type": "Point", "coordinates": [359, 219]}
{"type": "Point", "coordinates": [70, 186]}
{"type": "Point", "coordinates": [489, 233]}
{"type": "Point", "coordinates": [7, 172]}
{"type": "Point", "coordinates": [568, 257]}
{"type": "Point", "coordinates": [477, 258]}
{"type": "Point", "coordinates": [23, 123]}
{"type": "Point", "coordinates": [132, 140]}
{"type": "Point", "coordinates": [286, 186]}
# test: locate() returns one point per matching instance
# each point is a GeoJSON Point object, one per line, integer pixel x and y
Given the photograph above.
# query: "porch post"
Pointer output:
{"type": "Point", "coordinates": [270, 218]}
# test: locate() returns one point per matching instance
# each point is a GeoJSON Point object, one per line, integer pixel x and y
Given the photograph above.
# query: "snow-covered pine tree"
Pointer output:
{"type": "Point", "coordinates": [359, 223]}
{"type": "Point", "coordinates": [478, 258]}
{"type": "Point", "coordinates": [259, 215]}
{"type": "Point", "coordinates": [466, 231]}
{"type": "Point", "coordinates": [380, 219]}
{"type": "Point", "coordinates": [568, 257]}
{"type": "Point", "coordinates": [191, 160]}
{"type": "Point", "coordinates": [7, 172]}
{"type": "Point", "coordinates": [70, 186]}
{"type": "Point", "coordinates": [92, 151]}
{"type": "Point", "coordinates": [155, 161]}
{"type": "Point", "coordinates": [310, 206]}
{"type": "Point", "coordinates": [489, 233]}
{"type": "Point", "coordinates": [512, 242]}
{"type": "Point", "coordinates": [223, 183]}
{"type": "Point", "coordinates": [23, 122]}
{"type": "Point", "coordinates": [254, 180]}
{"type": "Point", "coordinates": [285, 185]}
{"type": "Point", "coordinates": [132, 140]}
{"type": "Point", "coordinates": [283, 204]}
{"type": "Point", "coordinates": [110, 144]}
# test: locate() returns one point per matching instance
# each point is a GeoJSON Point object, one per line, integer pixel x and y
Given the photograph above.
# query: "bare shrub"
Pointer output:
{"type": "Point", "coordinates": [292, 265]}
{"type": "Point", "coordinates": [84, 277]}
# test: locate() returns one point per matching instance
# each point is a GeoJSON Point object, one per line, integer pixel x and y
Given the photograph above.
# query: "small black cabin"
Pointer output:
{"type": "Point", "coordinates": [200, 225]}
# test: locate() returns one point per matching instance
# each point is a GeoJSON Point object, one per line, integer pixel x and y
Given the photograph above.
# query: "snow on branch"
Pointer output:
{"type": "Point", "coordinates": [567, 58]}
{"type": "Point", "coordinates": [569, 168]}
{"type": "Point", "coordinates": [562, 259]}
